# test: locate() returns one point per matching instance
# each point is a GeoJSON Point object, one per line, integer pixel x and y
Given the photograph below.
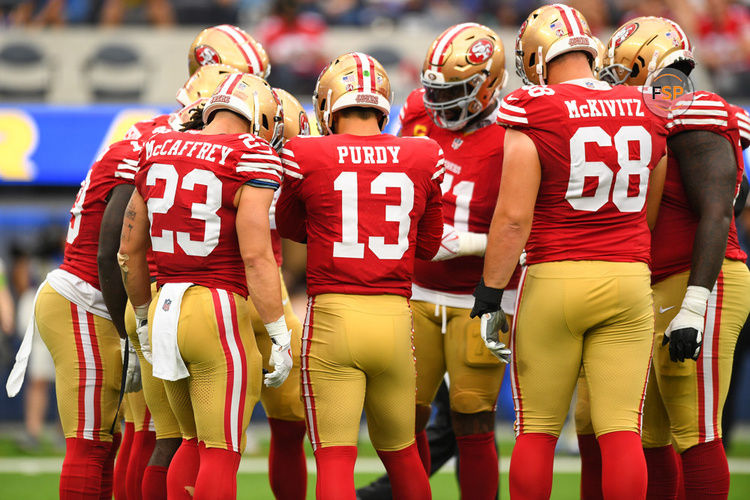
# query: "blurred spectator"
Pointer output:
{"type": "Point", "coordinates": [41, 369]}
{"type": "Point", "coordinates": [39, 13]}
{"type": "Point", "coordinates": [723, 41]}
{"type": "Point", "coordinates": [294, 41]}
{"type": "Point", "coordinates": [6, 303]}
{"type": "Point", "coordinates": [157, 12]}
{"type": "Point", "coordinates": [596, 13]}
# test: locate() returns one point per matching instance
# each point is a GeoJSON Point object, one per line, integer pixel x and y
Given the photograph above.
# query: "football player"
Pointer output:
{"type": "Point", "coordinates": [366, 204]}
{"type": "Point", "coordinates": [457, 106]}
{"type": "Point", "coordinates": [220, 50]}
{"type": "Point", "coordinates": [696, 260]}
{"type": "Point", "coordinates": [151, 482]}
{"type": "Point", "coordinates": [72, 318]}
{"type": "Point", "coordinates": [202, 205]}
{"type": "Point", "coordinates": [577, 162]}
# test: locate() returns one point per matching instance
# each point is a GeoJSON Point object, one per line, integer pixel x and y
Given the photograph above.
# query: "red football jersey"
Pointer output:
{"type": "Point", "coordinates": [366, 206]}
{"type": "Point", "coordinates": [167, 123]}
{"type": "Point", "coordinates": [473, 164]}
{"type": "Point", "coordinates": [117, 165]}
{"type": "Point", "coordinates": [674, 232]}
{"type": "Point", "coordinates": [144, 129]}
{"type": "Point", "coordinates": [597, 146]}
{"type": "Point", "coordinates": [189, 182]}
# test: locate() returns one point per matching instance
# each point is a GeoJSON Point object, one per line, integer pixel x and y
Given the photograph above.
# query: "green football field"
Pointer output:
{"type": "Point", "coordinates": [35, 476]}
{"type": "Point", "coordinates": [44, 486]}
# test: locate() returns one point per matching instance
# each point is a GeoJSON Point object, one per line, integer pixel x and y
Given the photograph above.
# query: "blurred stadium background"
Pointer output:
{"type": "Point", "coordinates": [75, 74]}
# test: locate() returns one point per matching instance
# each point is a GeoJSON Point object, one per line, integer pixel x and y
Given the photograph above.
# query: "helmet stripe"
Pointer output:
{"type": "Point", "coordinates": [373, 85]}
{"type": "Point", "coordinates": [445, 41]}
{"type": "Point", "coordinates": [360, 76]}
{"type": "Point", "coordinates": [230, 84]}
{"type": "Point", "coordinates": [685, 40]}
{"type": "Point", "coordinates": [564, 18]}
{"type": "Point", "coordinates": [245, 48]}
{"type": "Point", "coordinates": [572, 23]}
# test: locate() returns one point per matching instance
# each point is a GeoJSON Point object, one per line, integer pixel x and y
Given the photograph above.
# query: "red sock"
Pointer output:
{"type": "Point", "coordinates": [423, 446]}
{"type": "Point", "coordinates": [121, 465]}
{"type": "Point", "coordinates": [624, 474]}
{"type": "Point", "coordinates": [591, 467]}
{"type": "Point", "coordinates": [140, 454]}
{"type": "Point", "coordinates": [108, 469]}
{"type": "Point", "coordinates": [531, 466]}
{"type": "Point", "coordinates": [405, 470]}
{"type": "Point", "coordinates": [335, 472]}
{"type": "Point", "coordinates": [478, 473]}
{"type": "Point", "coordinates": [217, 476]}
{"type": "Point", "coordinates": [81, 475]}
{"type": "Point", "coordinates": [183, 470]}
{"type": "Point", "coordinates": [154, 485]}
{"type": "Point", "coordinates": [663, 465]}
{"type": "Point", "coordinates": [706, 471]}
{"type": "Point", "coordinates": [287, 468]}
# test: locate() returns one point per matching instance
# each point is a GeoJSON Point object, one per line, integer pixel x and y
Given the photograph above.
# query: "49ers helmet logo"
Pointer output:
{"type": "Point", "coordinates": [206, 55]}
{"type": "Point", "coordinates": [624, 34]}
{"type": "Point", "coordinates": [480, 51]}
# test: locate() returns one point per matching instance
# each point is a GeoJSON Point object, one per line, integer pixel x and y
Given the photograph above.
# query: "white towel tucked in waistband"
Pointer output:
{"type": "Point", "coordinates": [168, 363]}
{"type": "Point", "coordinates": [17, 374]}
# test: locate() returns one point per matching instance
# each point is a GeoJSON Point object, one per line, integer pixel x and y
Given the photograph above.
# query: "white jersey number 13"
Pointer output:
{"type": "Point", "coordinates": [350, 247]}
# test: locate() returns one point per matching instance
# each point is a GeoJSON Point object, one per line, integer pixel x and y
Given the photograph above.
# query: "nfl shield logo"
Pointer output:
{"type": "Point", "coordinates": [167, 303]}
{"type": "Point", "coordinates": [457, 143]}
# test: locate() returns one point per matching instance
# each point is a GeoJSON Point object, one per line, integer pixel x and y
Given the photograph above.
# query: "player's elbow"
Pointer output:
{"type": "Point", "coordinates": [257, 257]}
{"type": "Point", "coordinates": [513, 219]}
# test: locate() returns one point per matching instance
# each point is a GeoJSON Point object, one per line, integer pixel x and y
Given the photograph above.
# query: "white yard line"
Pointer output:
{"type": "Point", "coordinates": [257, 465]}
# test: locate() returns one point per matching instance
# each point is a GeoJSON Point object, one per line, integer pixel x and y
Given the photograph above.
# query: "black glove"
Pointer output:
{"type": "Point", "coordinates": [486, 299]}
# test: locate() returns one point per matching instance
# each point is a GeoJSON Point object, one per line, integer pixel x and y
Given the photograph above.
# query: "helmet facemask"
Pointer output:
{"type": "Point", "coordinates": [452, 105]}
{"type": "Point", "coordinates": [615, 74]}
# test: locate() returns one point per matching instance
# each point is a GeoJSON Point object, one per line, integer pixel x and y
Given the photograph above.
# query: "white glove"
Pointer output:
{"type": "Point", "coordinates": [141, 328]}
{"type": "Point", "coordinates": [281, 352]}
{"type": "Point", "coordinates": [133, 375]}
{"type": "Point", "coordinates": [685, 332]}
{"type": "Point", "coordinates": [449, 244]}
{"type": "Point", "coordinates": [491, 324]}
{"type": "Point", "coordinates": [459, 244]}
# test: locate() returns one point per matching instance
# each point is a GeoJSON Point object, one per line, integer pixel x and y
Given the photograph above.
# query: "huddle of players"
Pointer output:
{"type": "Point", "coordinates": [380, 215]}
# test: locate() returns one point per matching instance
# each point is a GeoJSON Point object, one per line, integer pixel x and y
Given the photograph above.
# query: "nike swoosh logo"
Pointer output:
{"type": "Point", "coordinates": [662, 310]}
{"type": "Point", "coordinates": [511, 98]}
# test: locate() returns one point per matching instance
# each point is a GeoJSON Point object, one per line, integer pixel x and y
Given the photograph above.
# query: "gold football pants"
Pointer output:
{"type": "Point", "coordinates": [685, 401]}
{"type": "Point", "coordinates": [155, 398]}
{"type": "Point", "coordinates": [475, 373]}
{"type": "Point", "coordinates": [589, 313]}
{"type": "Point", "coordinates": [284, 402]}
{"type": "Point", "coordinates": [86, 351]}
{"type": "Point", "coordinates": [357, 353]}
{"type": "Point", "coordinates": [217, 344]}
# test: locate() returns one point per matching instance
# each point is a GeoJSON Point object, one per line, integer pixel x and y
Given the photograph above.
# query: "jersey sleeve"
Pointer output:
{"type": "Point", "coordinates": [259, 165]}
{"type": "Point", "coordinates": [513, 112]}
{"type": "Point", "coordinates": [743, 123]}
{"type": "Point", "coordinates": [125, 156]}
{"type": "Point", "coordinates": [430, 228]}
{"type": "Point", "coordinates": [413, 116]}
{"type": "Point", "coordinates": [291, 215]}
{"type": "Point", "coordinates": [133, 133]}
{"type": "Point", "coordinates": [701, 111]}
